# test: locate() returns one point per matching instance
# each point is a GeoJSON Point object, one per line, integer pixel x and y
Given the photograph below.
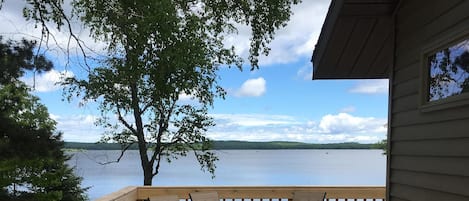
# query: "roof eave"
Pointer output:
{"type": "Point", "coordinates": [356, 40]}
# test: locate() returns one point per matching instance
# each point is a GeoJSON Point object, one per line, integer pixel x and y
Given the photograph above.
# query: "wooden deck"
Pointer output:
{"type": "Point", "coordinates": [251, 193]}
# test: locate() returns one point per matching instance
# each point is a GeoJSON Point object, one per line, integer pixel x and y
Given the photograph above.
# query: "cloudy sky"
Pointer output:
{"type": "Point", "coordinates": [278, 102]}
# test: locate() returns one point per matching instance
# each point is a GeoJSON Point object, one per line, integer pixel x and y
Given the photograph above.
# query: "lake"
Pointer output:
{"type": "Point", "coordinates": [236, 167]}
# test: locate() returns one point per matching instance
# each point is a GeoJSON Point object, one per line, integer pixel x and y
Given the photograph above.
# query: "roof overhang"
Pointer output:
{"type": "Point", "coordinates": [356, 40]}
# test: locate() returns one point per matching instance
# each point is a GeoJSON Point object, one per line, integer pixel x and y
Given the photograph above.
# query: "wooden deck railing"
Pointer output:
{"type": "Point", "coordinates": [252, 193]}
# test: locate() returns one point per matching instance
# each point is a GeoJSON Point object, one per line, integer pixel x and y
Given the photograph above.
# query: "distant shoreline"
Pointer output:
{"type": "Point", "coordinates": [233, 145]}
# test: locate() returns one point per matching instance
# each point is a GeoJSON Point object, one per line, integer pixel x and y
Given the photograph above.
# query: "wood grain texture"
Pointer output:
{"type": "Point", "coordinates": [275, 192]}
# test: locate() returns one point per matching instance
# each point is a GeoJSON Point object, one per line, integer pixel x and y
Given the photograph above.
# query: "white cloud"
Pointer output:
{"type": "Point", "coordinates": [344, 123]}
{"type": "Point", "coordinates": [331, 128]}
{"type": "Point", "coordinates": [292, 42]}
{"type": "Point", "coordinates": [78, 128]}
{"type": "Point", "coordinates": [186, 97]}
{"type": "Point", "coordinates": [47, 82]}
{"type": "Point", "coordinates": [305, 73]}
{"type": "Point", "coordinates": [371, 87]}
{"type": "Point", "coordinates": [251, 120]}
{"type": "Point", "coordinates": [298, 38]}
{"type": "Point", "coordinates": [341, 127]}
{"type": "Point", "coordinates": [15, 27]}
{"type": "Point", "coordinates": [348, 109]}
{"type": "Point", "coordinates": [252, 88]}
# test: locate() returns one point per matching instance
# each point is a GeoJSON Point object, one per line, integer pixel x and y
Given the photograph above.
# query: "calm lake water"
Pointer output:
{"type": "Point", "coordinates": [236, 167]}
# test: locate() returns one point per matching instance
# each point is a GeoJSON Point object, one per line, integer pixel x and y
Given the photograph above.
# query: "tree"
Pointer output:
{"type": "Point", "coordinates": [383, 144]}
{"type": "Point", "coordinates": [159, 50]}
{"type": "Point", "coordinates": [47, 15]}
{"type": "Point", "coordinates": [32, 163]}
{"type": "Point", "coordinates": [16, 58]}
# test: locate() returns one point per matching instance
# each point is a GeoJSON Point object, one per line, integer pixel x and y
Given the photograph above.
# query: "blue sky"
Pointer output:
{"type": "Point", "coordinates": [277, 102]}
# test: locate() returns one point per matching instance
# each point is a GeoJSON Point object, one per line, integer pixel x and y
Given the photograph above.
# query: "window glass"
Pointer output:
{"type": "Point", "coordinates": [449, 71]}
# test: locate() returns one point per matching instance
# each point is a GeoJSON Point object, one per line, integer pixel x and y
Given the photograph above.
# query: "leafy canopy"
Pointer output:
{"type": "Point", "coordinates": [158, 51]}
{"type": "Point", "coordinates": [32, 163]}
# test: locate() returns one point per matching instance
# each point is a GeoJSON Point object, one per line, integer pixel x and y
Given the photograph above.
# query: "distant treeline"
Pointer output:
{"type": "Point", "coordinates": [221, 145]}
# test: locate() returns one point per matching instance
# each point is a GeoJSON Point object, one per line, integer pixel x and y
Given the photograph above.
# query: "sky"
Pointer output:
{"type": "Point", "coordinates": [277, 102]}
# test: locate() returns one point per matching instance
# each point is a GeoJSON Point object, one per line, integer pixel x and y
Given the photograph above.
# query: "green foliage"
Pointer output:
{"type": "Point", "coordinates": [31, 155]}
{"type": "Point", "coordinates": [16, 57]}
{"type": "Point", "coordinates": [32, 164]}
{"type": "Point", "coordinates": [157, 51]}
{"type": "Point", "coordinates": [383, 144]}
{"type": "Point", "coordinates": [45, 11]}
{"type": "Point", "coordinates": [199, 25]}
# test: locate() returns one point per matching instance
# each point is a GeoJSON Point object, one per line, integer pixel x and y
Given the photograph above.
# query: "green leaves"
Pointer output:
{"type": "Point", "coordinates": [44, 11]}
{"type": "Point", "coordinates": [32, 164]}
{"type": "Point", "coordinates": [158, 51]}
{"type": "Point", "coordinates": [16, 57]}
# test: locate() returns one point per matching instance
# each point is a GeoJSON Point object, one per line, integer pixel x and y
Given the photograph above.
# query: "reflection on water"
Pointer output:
{"type": "Point", "coordinates": [237, 167]}
{"type": "Point", "coordinates": [449, 71]}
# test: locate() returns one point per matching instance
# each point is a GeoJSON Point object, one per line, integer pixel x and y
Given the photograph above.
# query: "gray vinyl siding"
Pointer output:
{"type": "Point", "coordinates": [429, 157]}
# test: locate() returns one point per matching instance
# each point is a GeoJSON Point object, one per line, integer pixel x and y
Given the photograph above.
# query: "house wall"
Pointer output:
{"type": "Point", "coordinates": [429, 157]}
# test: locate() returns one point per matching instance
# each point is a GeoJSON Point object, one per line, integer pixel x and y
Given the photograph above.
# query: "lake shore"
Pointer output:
{"type": "Point", "coordinates": [235, 145]}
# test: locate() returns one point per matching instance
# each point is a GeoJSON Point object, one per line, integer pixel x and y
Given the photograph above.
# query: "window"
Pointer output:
{"type": "Point", "coordinates": [448, 71]}
{"type": "Point", "coordinates": [445, 71]}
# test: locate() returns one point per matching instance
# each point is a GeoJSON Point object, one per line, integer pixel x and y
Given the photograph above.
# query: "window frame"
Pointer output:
{"type": "Point", "coordinates": [442, 42]}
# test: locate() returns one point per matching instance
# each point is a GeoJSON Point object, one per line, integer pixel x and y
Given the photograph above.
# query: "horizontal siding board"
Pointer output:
{"type": "Point", "coordinates": [409, 48]}
{"type": "Point", "coordinates": [415, 14]}
{"type": "Point", "coordinates": [437, 148]}
{"type": "Point", "coordinates": [430, 18]}
{"type": "Point", "coordinates": [405, 103]}
{"type": "Point", "coordinates": [406, 88]}
{"type": "Point", "coordinates": [418, 117]}
{"type": "Point", "coordinates": [410, 45]}
{"type": "Point", "coordinates": [407, 192]}
{"type": "Point", "coordinates": [437, 130]}
{"type": "Point", "coordinates": [443, 183]}
{"type": "Point", "coordinates": [408, 55]}
{"type": "Point", "coordinates": [429, 159]}
{"type": "Point", "coordinates": [407, 73]}
{"type": "Point", "coordinates": [458, 14]}
{"type": "Point", "coordinates": [455, 166]}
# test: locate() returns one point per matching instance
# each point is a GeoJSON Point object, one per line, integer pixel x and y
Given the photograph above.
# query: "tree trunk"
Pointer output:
{"type": "Point", "coordinates": [147, 176]}
{"type": "Point", "coordinates": [147, 166]}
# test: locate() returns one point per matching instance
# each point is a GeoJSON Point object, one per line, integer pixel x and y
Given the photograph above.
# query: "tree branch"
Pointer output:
{"type": "Point", "coordinates": [123, 121]}
{"type": "Point", "coordinates": [146, 107]}
{"type": "Point", "coordinates": [157, 163]}
{"type": "Point", "coordinates": [72, 35]}
{"type": "Point", "coordinates": [124, 148]}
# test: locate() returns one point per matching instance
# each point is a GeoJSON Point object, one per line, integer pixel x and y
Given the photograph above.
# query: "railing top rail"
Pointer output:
{"type": "Point", "coordinates": [377, 192]}
{"type": "Point", "coordinates": [130, 192]}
